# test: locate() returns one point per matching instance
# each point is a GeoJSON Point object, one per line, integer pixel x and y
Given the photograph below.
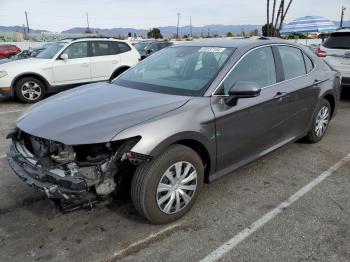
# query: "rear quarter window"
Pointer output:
{"type": "Point", "coordinates": [339, 40]}
{"type": "Point", "coordinates": [121, 47]}
{"type": "Point", "coordinates": [309, 65]}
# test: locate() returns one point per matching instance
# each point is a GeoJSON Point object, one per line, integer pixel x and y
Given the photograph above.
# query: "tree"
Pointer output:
{"type": "Point", "coordinates": [273, 16]}
{"type": "Point", "coordinates": [284, 14]}
{"type": "Point", "coordinates": [129, 34]}
{"type": "Point", "coordinates": [154, 33]}
{"type": "Point", "coordinates": [229, 34]}
{"type": "Point", "coordinates": [254, 32]}
{"type": "Point", "coordinates": [265, 30]}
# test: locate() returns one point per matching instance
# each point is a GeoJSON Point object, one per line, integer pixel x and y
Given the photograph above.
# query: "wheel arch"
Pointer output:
{"type": "Point", "coordinates": [30, 74]}
{"type": "Point", "coordinates": [332, 101]}
{"type": "Point", "coordinates": [205, 150]}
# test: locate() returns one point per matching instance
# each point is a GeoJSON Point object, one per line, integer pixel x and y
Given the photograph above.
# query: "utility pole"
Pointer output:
{"type": "Point", "coordinates": [190, 26]}
{"type": "Point", "coordinates": [87, 31]}
{"type": "Point", "coordinates": [24, 32]}
{"type": "Point", "coordinates": [178, 23]}
{"type": "Point", "coordinates": [342, 16]}
{"type": "Point", "coordinates": [25, 12]}
{"type": "Point", "coordinates": [87, 21]}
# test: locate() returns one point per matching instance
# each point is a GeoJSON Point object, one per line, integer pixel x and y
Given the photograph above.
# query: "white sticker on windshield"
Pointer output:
{"type": "Point", "coordinates": [212, 49]}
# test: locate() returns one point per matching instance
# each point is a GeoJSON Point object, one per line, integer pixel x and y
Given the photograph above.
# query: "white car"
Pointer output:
{"type": "Point", "coordinates": [336, 52]}
{"type": "Point", "coordinates": [66, 64]}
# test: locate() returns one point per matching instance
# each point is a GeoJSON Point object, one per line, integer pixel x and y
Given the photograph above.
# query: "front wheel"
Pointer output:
{"type": "Point", "coordinates": [320, 122]}
{"type": "Point", "coordinates": [30, 90]}
{"type": "Point", "coordinates": [165, 189]}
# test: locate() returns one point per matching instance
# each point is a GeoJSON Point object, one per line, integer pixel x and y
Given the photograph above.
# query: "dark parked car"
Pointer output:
{"type": "Point", "coordinates": [186, 115]}
{"type": "Point", "coordinates": [23, 55]}
{"type": "Point", "coordinates": [6, 51]}
{"type": "Point", "coordinates": [146, 48]}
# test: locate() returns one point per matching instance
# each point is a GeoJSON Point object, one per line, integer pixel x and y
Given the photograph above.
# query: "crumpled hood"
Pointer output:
{"type": "Point", "coordinates": [94, 113]}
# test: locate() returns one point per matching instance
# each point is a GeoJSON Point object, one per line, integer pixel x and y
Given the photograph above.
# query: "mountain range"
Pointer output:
{"type": "Point", "coordinates": [167, 31]}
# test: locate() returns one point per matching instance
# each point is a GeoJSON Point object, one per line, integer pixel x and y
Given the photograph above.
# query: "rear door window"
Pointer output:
{"type": "Point", "coordinates": [339, 40]}
{"type": "Point", "coordinates": [101, 48]}
{"type": "Point", "coordinates": [292, 61]}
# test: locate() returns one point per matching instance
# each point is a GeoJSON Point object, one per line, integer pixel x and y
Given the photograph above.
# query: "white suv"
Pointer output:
{"type": "Point", "coordinates": [336, 52]}
{"type": "Point", "coordinates": [65, 64]}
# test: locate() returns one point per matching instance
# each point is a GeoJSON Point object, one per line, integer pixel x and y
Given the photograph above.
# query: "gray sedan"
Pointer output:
{"type": "Point", "coordinates": [187, 115]}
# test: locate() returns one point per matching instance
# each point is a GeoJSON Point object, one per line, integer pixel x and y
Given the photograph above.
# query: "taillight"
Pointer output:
{"type": "Point", "coordinates": [320, 53]}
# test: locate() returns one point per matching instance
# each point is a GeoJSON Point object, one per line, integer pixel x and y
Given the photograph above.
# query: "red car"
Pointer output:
{"type": "Point", "coordinates": [6, 51]}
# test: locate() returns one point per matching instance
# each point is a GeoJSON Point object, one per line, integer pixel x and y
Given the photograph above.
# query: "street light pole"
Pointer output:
{"type": "Point", "coordinates": [178, 23]}
{"type": "Point", "coordinates": [342, 16]}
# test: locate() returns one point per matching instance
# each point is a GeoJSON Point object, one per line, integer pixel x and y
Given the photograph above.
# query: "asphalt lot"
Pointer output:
{"type": "Point", "coordinates": [315, 227]}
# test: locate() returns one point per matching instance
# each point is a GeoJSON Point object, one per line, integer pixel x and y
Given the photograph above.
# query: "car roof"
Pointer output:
{"type": "Point", "coordinates": [68, 40]}
{"type": "Point", "coordinates": [236, 43]}
{"type": "Point", "coordinates": [152, 41]}
{"type": "Point", "coordinates": [342, 30]}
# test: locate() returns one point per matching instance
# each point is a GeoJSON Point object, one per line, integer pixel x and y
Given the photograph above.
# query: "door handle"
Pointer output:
{"type": "Point", "coordinates": [316, 81]}
{"type": "Point", "coordinates": [114, 62]}
{"type": "Point", "coordinates": [85, 64]}
{"type": "Point", "coordinates": [280, 94]}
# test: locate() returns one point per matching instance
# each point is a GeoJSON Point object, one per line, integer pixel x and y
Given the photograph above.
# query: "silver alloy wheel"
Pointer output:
{"type": "Point", "coordinates": [322, 120]}
{"type": "Point", "coordinates": [176, 187]}
{"type": "Point", "coordinates": [31, 90]}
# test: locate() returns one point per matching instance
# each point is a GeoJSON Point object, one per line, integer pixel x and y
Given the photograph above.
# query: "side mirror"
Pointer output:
{"type": "Point", "coordinates": [64, 57]}
{"type": "Point", "coordinates": [242, 89]}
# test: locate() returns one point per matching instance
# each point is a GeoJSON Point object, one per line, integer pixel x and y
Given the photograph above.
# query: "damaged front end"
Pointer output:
{"type": "Point", "coordinates": [72, 175]}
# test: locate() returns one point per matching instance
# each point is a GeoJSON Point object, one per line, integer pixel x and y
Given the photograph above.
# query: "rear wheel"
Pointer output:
{"type": "Point", "coordinates": [165, 189]}
{"type": "Point", "coordinates": [320, 122]}
{"type": "Point", "coordinates": [30, 90]}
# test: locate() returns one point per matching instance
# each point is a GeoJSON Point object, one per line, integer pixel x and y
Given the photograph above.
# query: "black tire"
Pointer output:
{"type": "Point", "coordinates": [148, 175]}
{"type": "Point", "coordinates": [36, 84]}
{"type": "Point", "coordinates": [312, 136]}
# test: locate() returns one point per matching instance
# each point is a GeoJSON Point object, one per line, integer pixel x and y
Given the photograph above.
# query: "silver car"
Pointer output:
{"type": "Point", "coordinates": [336, 52]}
{"type": "Point", "coordinates": [184, 116]}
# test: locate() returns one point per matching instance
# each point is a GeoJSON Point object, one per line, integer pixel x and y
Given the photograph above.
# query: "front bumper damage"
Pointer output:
{"type": "Point", "coordinates": [52, 185]}
{"type": "Point", "coordinates": [72, 183]}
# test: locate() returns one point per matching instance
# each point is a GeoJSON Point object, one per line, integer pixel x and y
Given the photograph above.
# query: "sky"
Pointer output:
{"type": "Point", "coordinates": [58, 15]}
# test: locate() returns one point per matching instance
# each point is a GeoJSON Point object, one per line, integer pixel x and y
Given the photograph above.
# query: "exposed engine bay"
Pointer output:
{"type": "Point", "coordinates": [73, 175]}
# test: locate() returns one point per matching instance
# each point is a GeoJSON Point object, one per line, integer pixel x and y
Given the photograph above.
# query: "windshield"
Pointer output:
{"type": "Point", "coordinates": [51, 51]}
{"type": "Point", "coordinates": [177, 70]}
{"type": "Point", "coordinates": [340, 40]}
{"type": "Point", "coordinates": [141, 46]}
